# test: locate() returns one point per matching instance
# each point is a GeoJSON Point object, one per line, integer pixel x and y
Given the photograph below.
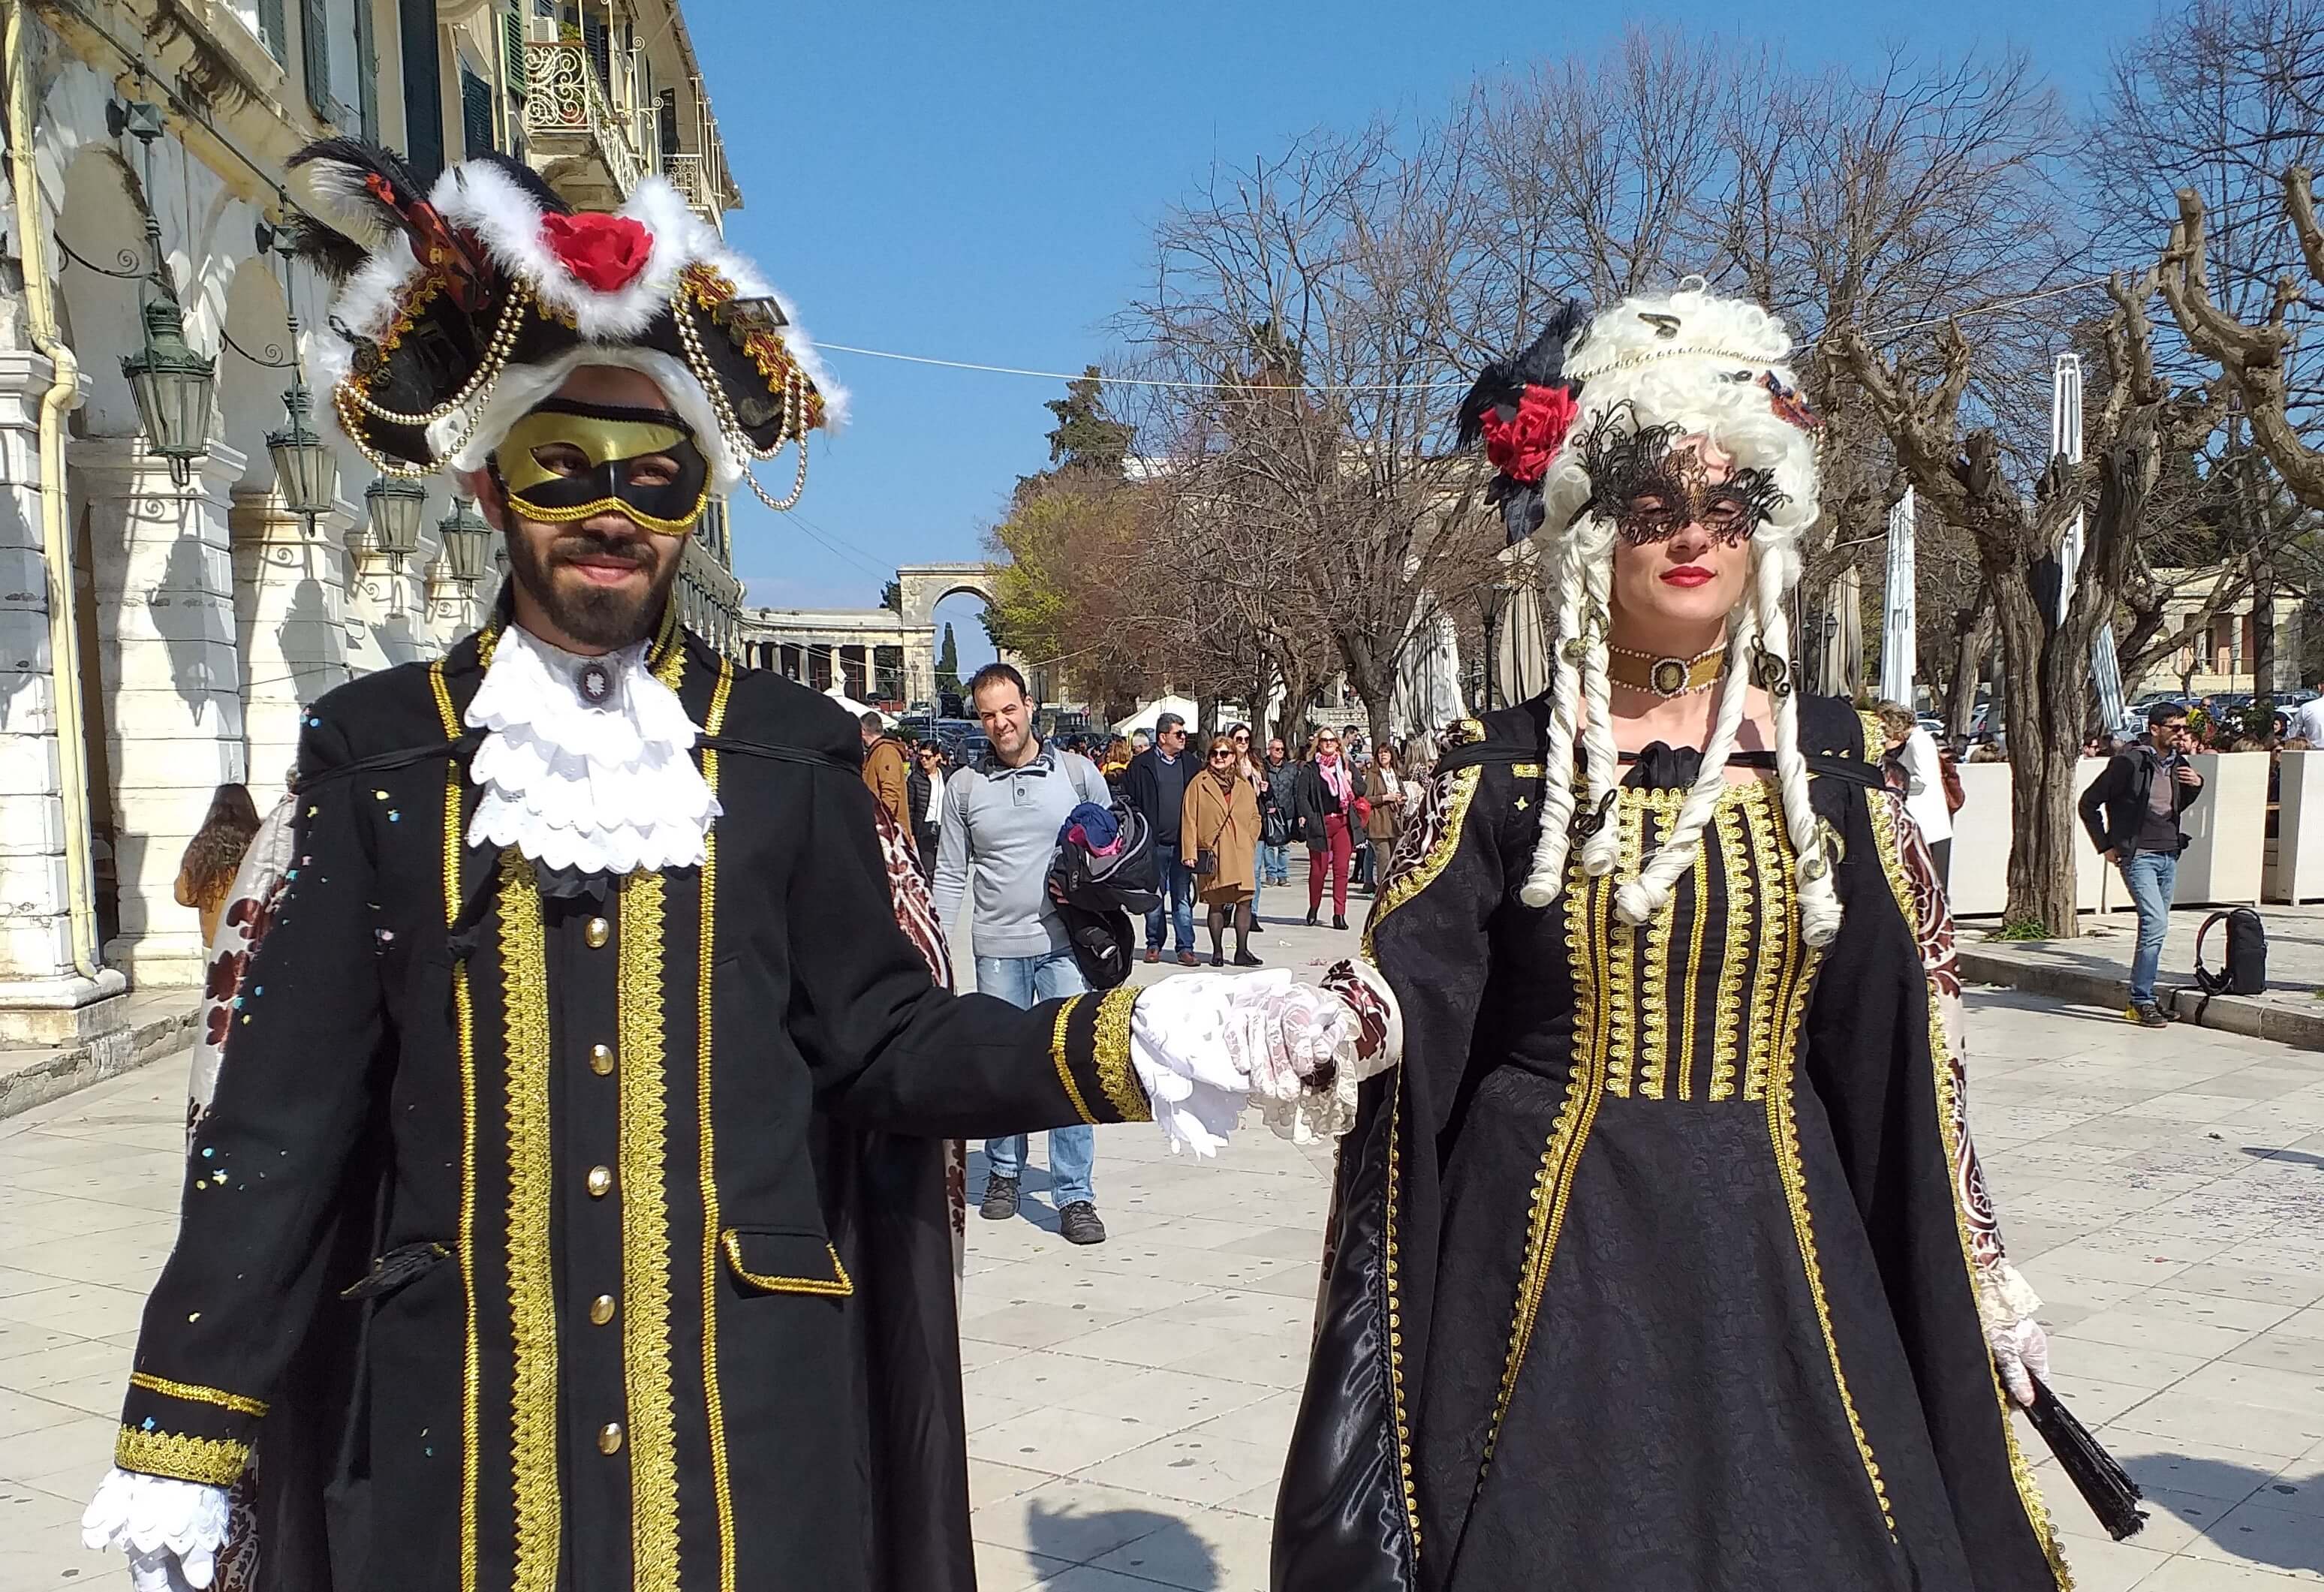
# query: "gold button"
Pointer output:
{"type": "Point", "coordinates": [609, 1437]}
{"type": "Point", "coordinates": [598, 932]}
{"type": "Point", "coordinates": [601, 1178]}
{"type": "Point", "coordinates": [601, 1059]}
{"type": "Point", "coordinates": [601, 1309]}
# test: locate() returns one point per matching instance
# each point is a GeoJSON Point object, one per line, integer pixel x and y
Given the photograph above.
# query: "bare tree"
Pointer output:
{"type": "Point", "coordinates": [2045, 655]}
{"type": "Point", "coordinates": [1309, 301]}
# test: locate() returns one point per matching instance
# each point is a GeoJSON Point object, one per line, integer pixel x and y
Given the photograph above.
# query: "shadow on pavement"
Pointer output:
{"type": "Point", "coordinates": [2294, 1157]}
{"type": "Point", "coordinates": [1152, 1546]}
{"type": "Point", "coordinates": [2272, 1519]}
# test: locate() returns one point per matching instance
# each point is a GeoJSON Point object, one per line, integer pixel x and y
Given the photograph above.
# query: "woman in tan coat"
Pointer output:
{"type": "Point", "coordinates": [1221, 824]}
{"type": "Point", "coordinates": [1383, 789]}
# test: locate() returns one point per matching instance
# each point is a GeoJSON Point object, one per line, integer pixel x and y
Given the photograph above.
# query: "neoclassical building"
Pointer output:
{"type": "Point", "coordinates": [190, 554]}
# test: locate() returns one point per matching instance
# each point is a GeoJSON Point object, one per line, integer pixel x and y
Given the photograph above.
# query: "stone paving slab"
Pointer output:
{"type": "Point", "coordinates": [2095, 967]}
{"type": "Point", "coordinates": [1128, 1403]}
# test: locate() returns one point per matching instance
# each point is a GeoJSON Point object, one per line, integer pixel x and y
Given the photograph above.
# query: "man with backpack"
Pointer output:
{"type": "Point", "coordinates": [1002, 818]}
{"type": "Point", "coordinates": [2132, 812]}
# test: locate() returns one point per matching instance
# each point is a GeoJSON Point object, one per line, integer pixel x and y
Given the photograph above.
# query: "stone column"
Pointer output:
{"type": "Point", "coordinates": [289, 602]}
{"type": "Point", "coordinates": [44, 999]}
{"type": "Point", "coordinates": [163, 568]}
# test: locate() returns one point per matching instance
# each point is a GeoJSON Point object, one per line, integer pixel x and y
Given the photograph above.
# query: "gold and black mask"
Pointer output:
{"type": "Point", "coordinates": [567, 460]}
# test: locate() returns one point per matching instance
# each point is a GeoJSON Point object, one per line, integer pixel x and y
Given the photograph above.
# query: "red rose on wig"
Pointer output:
{"type": "Point", "coordinates": [1521, 448]}
{"type": "Point", "coordinates": [605, 252]}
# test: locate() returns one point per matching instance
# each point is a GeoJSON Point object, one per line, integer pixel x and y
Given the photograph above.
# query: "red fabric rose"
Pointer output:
{"type": "Point", "coordinates": [605, 251]}
{"type": "Point", "coordinates": [1521, 448]}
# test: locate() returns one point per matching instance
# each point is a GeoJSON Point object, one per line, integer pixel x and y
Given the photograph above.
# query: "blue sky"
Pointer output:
{"type": "Point", "coordinates": [980, 181]}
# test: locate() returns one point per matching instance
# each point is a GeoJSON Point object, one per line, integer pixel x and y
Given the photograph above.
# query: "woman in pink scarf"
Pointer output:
{"type": "Point", "coordinates": [1324, 799]}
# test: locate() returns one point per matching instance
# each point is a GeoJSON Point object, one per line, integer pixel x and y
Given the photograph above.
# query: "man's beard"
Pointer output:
{"type": "Point", "coordinates": [593, 615]}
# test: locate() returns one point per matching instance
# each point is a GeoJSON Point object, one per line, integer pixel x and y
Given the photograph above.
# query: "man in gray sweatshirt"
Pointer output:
{"type": "Point", "coordinates": [1002, 818]}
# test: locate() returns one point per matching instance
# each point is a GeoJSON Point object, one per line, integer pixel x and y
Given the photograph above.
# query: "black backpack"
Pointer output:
{"type": "Point", "coordinates": [2245, 970]}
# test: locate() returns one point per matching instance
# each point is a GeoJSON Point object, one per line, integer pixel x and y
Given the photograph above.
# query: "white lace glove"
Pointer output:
{"type": "Point", "coordinates": [2005, 1304]}
{"type": "Point", "coordinates": [1201, 1043]}
{"type": "Point", "coordinates": [171, 1530]}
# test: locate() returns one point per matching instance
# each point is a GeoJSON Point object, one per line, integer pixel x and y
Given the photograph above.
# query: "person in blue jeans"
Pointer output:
{"type": "Point", "coordinates": [1156, 787]}
{"type": "Point", "coordinates": [1275, 861]}
{"type": "Point", "coordinates": [2132, 812]}
{"type": "Point", "coordinates": [1002, 818]}
{"type": "Point", "coordinates": [1027, 981]}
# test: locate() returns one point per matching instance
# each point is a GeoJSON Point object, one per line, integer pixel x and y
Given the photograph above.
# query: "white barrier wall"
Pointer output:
{"type": "Point", "coordinates": [2298, 847]}
{"type": "Point", "coordinates": [1980, 871]}
{"type": "Point", "coordinates": [2227, 831]}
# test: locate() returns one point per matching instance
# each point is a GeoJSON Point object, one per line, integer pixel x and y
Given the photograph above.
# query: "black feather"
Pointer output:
{"type": "Point", "coordinates": [535, 186]}
{"type": "Point", "coordinates": [338, 174]}
{"type": "Point", "coordinates": [1503, 383]}
{"type": "Point", "coordinates": [325, 247]}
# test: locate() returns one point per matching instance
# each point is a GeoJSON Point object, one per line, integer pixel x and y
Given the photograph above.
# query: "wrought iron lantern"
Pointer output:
{"type": "Point", "coordinates": [306, 470]}
{"type": "Point", "coordinates": [467, 540]}
{"type": "Point", "coordinates": [175, 389]}
{"type": "Point", "coordinates": [394, 504]}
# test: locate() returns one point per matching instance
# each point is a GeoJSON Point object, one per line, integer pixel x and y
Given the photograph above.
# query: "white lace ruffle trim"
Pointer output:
{"type": "Point", "coordinates": [162, 1523]}
{"type": "Point", "coordinates": [601, 787]}
{"type": "Point", "coordinates": [1205, 1044]}
{"type": "Point", "coordinates": [2004, 1298]}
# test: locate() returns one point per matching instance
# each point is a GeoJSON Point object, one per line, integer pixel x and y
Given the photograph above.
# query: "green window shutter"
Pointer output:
{"type": "Point", "coordinates": [476, 111]}
{"type": "Point", "coordinates": [274, 28]}
{"type": "Point", "coordinates": [315, 34]}
{"type": "Point", "coordinates": [367, 69]}
{"type": "Point", "coordinates": [513, 70]}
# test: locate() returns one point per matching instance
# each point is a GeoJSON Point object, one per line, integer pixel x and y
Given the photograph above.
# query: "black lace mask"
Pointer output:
{"type": "Point", "coordinates": [1651, 490]}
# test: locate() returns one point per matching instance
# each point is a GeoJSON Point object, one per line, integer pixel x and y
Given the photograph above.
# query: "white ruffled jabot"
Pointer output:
{"type": "Point", "coordinates": [603, 786]}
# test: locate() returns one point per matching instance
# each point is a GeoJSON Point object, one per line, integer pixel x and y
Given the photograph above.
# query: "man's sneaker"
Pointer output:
{"type": "Point", "coordinates": [1153, 954]}
{"type": "Point", "coordinates": [1188, 959]}
{"type": "Point", "coordinates": [999, 1199]}
{"type": "Point", "coordinates": [1077, 1223]}
{"type": "Point", "coordinates": [2146, 1015]}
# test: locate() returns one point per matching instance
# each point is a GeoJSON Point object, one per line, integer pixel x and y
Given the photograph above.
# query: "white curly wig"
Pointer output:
{"type": "Point", "coordinates": [1698, 362]}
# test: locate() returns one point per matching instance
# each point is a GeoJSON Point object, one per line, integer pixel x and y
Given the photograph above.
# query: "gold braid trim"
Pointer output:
{"type": "Point", "coordinates": [838, 1286]}
{"type": "Point", "coordinates": [1560, 1157]}
{"type": "Point", "coordinates": [1655, 1041]}
{"type": "Point", "coordinates": [1618, 940]}
{"type": "Point", "coordinates": [1057, 1058]}
{"type": "Point", "coordinates": [1111, 1049]}
{"type": "Point", "coordinates": [2029, 1493]}
{"type": "Point", "coordinates": [1779, 944]}
{"type": "Point", "coordinates": [465, 1030]}
{"type": "Point", "coordinates": [1396, 1323]}
{"type": "Point", "coordinates": [214, 1461]}
{"type": "Point", "coordinates": [1698, 885]}
{"type": "Point", "coordinates": [1735, 957]}
{"type": "Point", "coordinates": [1401, 888]}
{"type": "Point", "coordinates": [720, 1479]}
{"type": "Point", "coordinates": [645, 1239]}
{"type": "Point", "coordinates": [193, 1392]}
{"type": "Point", "coordinates": [532, 1306]}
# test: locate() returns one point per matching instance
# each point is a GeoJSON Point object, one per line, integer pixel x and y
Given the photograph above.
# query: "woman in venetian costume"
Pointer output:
{"type": "Point", "coordinates": [1663, 1264]}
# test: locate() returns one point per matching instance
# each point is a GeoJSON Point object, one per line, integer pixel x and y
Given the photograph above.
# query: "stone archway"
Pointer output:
{"type": "Point", "coordinates": [922, 587]}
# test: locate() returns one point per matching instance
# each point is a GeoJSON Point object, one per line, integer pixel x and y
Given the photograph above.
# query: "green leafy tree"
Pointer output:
{"type": "Point", "coordinates": [891, 597]}
{"type": "Point", "coordinates": [948, 663]}
{"type": "Point", "coordinates": [1086, 439]}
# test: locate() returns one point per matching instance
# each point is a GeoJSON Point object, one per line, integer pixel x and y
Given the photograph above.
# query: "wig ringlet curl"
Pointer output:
{"type": "Point", "coordinates": [1700, 363]}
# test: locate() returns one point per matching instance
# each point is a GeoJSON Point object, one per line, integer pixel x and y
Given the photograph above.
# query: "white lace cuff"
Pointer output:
{"type": "Point", "coordinates": [156, 1519]}
{"type": "Point", "coordinates": [2003, 1297]}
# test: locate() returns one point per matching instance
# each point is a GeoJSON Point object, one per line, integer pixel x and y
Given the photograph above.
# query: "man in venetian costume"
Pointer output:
{"type": "Point", "coordinates": [1663, 1263]}
{"type": "Point", "coordinates": [570, 1207]}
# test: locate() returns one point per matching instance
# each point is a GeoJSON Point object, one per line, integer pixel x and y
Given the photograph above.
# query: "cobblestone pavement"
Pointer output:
{"type": "Point", "coordinates": [1128, 1403]}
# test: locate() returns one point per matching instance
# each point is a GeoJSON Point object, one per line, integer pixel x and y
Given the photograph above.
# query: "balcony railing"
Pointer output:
{"type": "Point", "coordinates": [690, 175]}
{"type": "Point", "coordinates": [564, 100]}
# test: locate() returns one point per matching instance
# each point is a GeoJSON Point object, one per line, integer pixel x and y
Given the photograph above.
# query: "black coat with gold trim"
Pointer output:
{"type": "Point", "coordinates": [1648, 1269]}
{"type": "Point", "coordinates": [642, 1175]}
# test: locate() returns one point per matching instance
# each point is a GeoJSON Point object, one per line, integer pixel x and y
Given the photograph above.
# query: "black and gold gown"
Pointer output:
{"type": "Point", "coordinates": [1654, 1265]}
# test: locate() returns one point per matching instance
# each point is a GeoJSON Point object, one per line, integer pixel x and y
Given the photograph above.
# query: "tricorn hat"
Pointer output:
{"type": "Point", "coordinates": [462, 308]}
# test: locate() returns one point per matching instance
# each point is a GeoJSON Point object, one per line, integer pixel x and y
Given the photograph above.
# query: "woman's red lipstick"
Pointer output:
{"type": "Point", "coordinates": [1687, 575]}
